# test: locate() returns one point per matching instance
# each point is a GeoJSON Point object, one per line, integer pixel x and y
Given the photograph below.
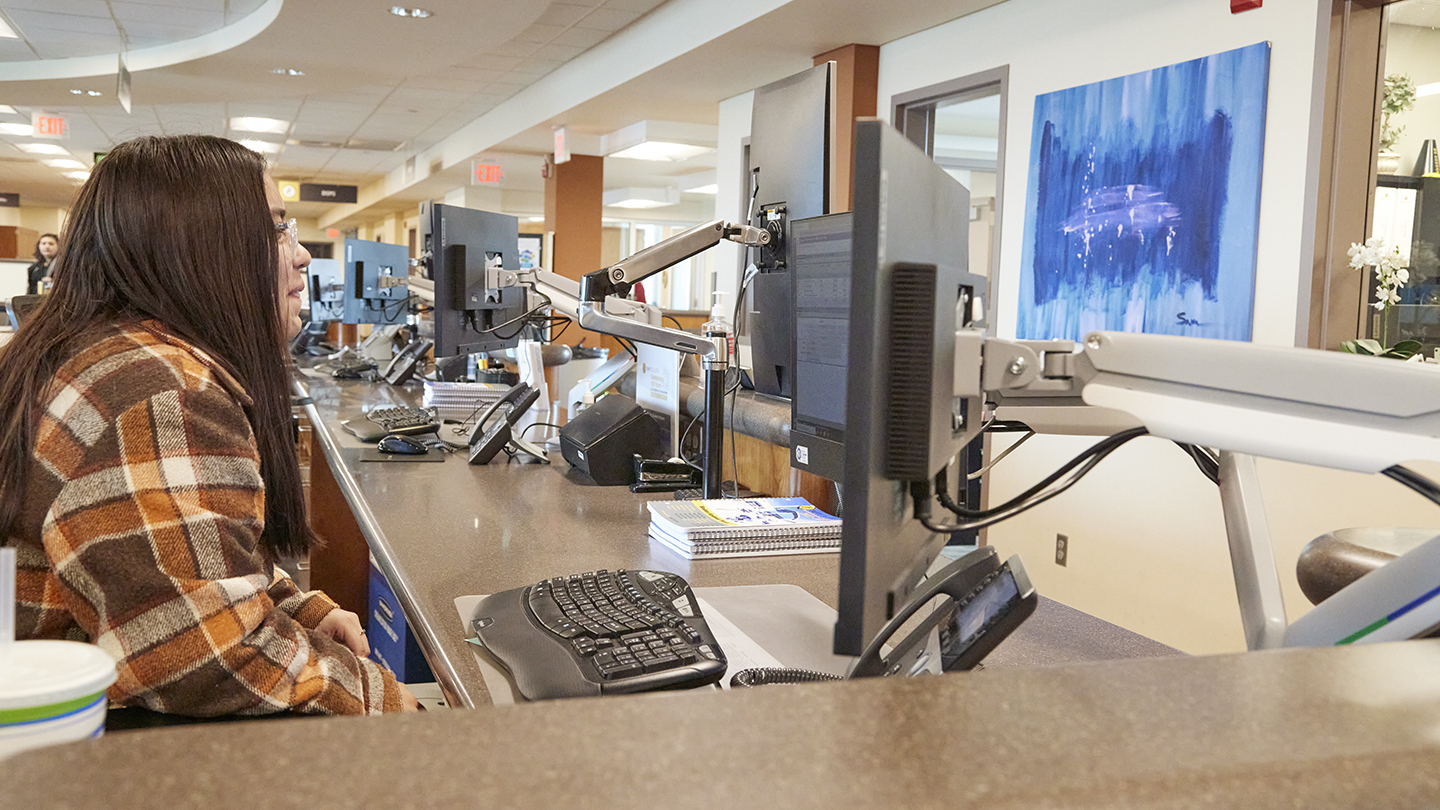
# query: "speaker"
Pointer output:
{"type": "Point", "coordinates": [602, 439]}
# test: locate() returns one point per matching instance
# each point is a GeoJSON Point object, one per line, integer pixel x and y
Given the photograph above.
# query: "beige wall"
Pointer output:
{"type": "Point", "coordinates": [40, 220]}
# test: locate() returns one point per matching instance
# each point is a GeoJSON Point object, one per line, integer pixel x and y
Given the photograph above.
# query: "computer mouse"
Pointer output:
{"type": "Point", "coordinates": [403, 445]}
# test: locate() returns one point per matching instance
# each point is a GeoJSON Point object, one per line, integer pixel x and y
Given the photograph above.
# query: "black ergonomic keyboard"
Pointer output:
{"type": "Point", "coordinates": [400, 420]}
{"type": "Point", "coordinates": [600, 633]}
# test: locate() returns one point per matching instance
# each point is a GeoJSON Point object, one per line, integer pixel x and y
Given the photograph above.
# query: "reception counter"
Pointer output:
{"type": "Point", "coordinates": [1049, 722]}
{"type": "Point", "coordinates": [1343, 728]}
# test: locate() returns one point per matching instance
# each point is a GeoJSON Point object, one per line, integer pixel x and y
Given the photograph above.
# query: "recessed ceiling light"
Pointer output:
{"type": "Point", "coordinates": [264, 147]}
{"type": "Point", "coordinates": [78, 175]}
{"type": "Point", "coordinates": [288, 72]}
{"type": "Point", "coordinates": [661, 150]}
{"type": "Point", "coordinates": [417, 13]}
{"type": "Point", "coordinates": [6, 108]}
{"type": "Point", "coordinates": [75, 92]}
{"type": "Point", "coordinates": [64, 163]}
{"type": "Point", "coordinates": [17, 129]}
{"type": "Point", "coordinates": [6, 32]}
{"type": "Point", "coordinates": [42, 148]}
{"type": "Point", "coordinates": [257, 124]}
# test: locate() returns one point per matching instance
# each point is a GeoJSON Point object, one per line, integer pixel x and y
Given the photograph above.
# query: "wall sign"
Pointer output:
{"type": "Point", "coordinates": [322, 192]}
{"type": "Point", "coordinates": [48, 126]}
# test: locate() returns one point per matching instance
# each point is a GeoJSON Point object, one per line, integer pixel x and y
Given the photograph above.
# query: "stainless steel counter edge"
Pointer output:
{"type": "Point", "coordinates": [425, 634]}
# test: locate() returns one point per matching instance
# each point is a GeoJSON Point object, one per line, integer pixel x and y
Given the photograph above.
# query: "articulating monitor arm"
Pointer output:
{"type": "Point", "coordinates": [1314, 407]}
{"type": "Point", "coordinates": [620, 277]}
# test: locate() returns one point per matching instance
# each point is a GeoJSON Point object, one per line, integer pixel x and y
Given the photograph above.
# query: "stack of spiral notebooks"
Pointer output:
{"type": "Point", "coordinates": [743, 527]}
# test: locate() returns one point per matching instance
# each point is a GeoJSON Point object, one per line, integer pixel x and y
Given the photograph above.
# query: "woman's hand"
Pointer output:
{"type": "Point", "coordinates": [344, 627]}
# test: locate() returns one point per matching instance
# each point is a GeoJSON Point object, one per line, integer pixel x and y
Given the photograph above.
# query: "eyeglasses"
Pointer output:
{"type": "Point", "coordinates": [288, 233]}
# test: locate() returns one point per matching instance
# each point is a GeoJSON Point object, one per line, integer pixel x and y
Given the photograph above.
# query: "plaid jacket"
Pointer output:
{"type": "Point", "coordinates": [144, 507]}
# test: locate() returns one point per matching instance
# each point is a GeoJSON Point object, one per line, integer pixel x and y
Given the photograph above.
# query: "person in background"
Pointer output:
{"type": "Point", "coordinates": [39, 272]}
{"type": "Point", "coordinates": [148, 476]}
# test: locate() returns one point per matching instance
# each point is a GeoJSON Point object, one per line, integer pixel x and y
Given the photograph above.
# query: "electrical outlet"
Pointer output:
{"type": "Point", "coordinates": [1062, 550]}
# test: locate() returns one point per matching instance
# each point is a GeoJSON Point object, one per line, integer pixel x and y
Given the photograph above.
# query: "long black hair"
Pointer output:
{"type": "Point", "coordinates": [178, 230]}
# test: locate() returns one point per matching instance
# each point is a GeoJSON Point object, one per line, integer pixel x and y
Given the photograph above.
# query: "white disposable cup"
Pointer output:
{"type": "Point", "coordinates": [52, 692]}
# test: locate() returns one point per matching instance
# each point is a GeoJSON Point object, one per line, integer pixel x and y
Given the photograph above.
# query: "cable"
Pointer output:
{"type": "Point", "coordinates": [673, 320]}
{"type": "Point", "coordinates": [734, 465]}
{"type": "Point", "coordinates": [542, 424]}
{"type": "Point", "coordinates": [1205, 459]}
{"type": "Point", "coordinates": [1101, 449]}
{"type": "Point", "coordinates": [1036, 495]}
{"type": "Point", "coordinates": [767, 676]}
{"type": "Point", "coordinates": [1414, 480]}
{"type": "Point", "coordinates": [1007, 451]}
{"type": "Point", "coordinates": [628, 346]}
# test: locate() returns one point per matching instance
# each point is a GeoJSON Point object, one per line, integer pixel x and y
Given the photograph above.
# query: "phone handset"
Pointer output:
{"type": "Point", "coordinates": [486, 442]}
{"type": "Point", "coordinates": [510, 398]}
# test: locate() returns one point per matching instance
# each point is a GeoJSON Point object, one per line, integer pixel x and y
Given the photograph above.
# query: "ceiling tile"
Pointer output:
{"type": "Point", "coordinates": [13, 50]}
{"type": "Point", "coordinates": [539, 33]}
{"type": "Point", "coordinates": [41, 25]}
{"type": "Point", "coordinates": [562, 14]}
{"type": "Point", "coordinates": [641, 6]}
{"type": "Point", "coordinates": [534, 69]}
{"type": "Point", "coordinates": [206, 5]}
{"type": "Point", "coordinates": [81, 8]}
{"type": "Point", "coordinates": [517, 48]}
{"type": "Point", "coordinates": [608, 18]}
{"type": "Point", "coordinates": [198, 20]}
{"type": "Point", "coordinates": [487, 62]}
{"type": "Point", "coordinates": [558, 52]}
{"type": "Point", "coordinates": [582, 37]}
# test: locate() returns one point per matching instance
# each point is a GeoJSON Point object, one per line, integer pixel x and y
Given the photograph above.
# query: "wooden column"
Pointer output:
{"type": "Point", "coordinates": [574, 196]}
{"type": "Point", "coordinates": [857, 74]}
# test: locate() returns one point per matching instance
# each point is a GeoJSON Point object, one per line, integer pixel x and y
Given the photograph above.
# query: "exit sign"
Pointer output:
{"type": "Point", "coordinates": [48, 126]}
{"type": "Point", "coordinates": [487, 174]}
{"type": "Point", "coordinates": [1237, 6]}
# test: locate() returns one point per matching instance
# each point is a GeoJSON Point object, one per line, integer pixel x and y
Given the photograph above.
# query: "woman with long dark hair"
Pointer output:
{"type": "Point", "coordinates": [38, 273]}
{"type": "Point", "coordinates": [148, 476]}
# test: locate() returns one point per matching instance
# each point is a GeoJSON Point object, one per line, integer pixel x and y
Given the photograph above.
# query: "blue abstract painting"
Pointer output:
{"type": "Point", "coordinates": [1143, 203]}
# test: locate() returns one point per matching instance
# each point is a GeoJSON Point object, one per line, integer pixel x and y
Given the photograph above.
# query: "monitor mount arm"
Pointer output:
{"type": "Point", "coordinates": [594, 306]}
{"type": "Point", "coordinates": [1314, 407]}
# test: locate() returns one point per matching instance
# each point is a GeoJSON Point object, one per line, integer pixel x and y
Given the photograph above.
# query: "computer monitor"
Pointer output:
{"type": "Point", "coordinates": [909, 292]}
{"type": "Point", "coordinates": [327, 290]}
{"type": "Point", "coordinates": [18, 309]}
{"type": "Point", "coordinates": [790, 142]}
{"type": "Point", "coordinates": [819, 261]}
{"type": "Point", "coordinates": [377, 279]}
{"type": "Point", "coordinates": [473, 313]}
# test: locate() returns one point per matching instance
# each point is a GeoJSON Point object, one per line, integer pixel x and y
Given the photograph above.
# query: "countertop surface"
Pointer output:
{"type": "Point", "coordinates": [1344, 727]}
{"type": "Point", "coordinates": [440, 531]}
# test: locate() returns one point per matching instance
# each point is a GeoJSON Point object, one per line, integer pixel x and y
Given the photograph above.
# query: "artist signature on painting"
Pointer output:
{"type": "Point", "coordinates": [1184, 321]}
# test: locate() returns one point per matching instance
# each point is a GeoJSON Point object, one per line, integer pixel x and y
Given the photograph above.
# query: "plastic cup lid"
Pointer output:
{"type": "Point", "coordinates": [38, 673]}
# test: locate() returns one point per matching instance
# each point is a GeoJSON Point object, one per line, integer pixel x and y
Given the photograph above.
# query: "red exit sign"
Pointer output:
{"type": "Point", "coordinates": [1237, 6]}
{"type": "Point", "coordinates": [488, 173]}
{"type": "Point", "coordinates": [48, 126]}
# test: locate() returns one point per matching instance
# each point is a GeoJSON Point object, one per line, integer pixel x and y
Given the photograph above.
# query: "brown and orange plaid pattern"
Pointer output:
{"type": "Point", "coordinates": [144, 509]}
